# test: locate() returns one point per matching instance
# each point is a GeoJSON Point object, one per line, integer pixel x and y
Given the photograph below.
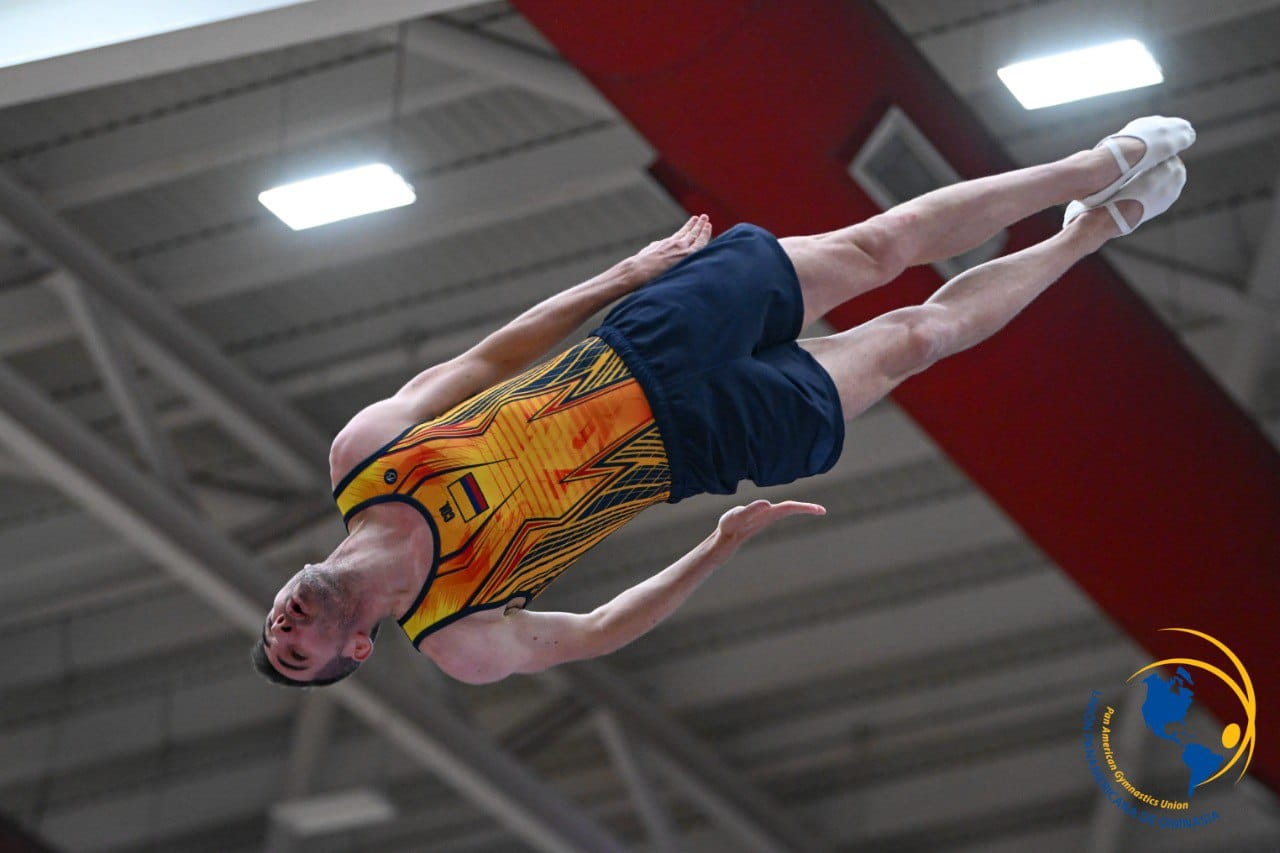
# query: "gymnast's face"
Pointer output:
{"type": "Point", "coordinates": [305, 627]}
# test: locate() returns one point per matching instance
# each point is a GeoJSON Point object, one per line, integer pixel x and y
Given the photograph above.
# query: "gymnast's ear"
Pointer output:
{"type": "Point", "coordinates": [359, 644]}
{"type": "Point", "coordinates": [359, 647]}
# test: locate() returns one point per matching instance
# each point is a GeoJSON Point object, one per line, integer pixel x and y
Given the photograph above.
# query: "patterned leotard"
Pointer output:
{"type": "Point", "coordinates": [519, 481]}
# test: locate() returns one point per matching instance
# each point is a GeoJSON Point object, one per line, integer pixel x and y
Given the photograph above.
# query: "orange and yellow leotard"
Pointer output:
{"type": "Point", "coordinates": [519, 481]}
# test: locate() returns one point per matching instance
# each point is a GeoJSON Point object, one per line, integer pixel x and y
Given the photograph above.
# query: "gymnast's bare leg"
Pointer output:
{"type": "Point", "coordinates": [868, 361]}
{"type": "Point", "coordinates": [839, 265]}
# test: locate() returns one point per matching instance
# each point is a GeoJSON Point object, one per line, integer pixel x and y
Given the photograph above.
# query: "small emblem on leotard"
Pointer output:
{"type": "Point", "coordinates": [390, 476]}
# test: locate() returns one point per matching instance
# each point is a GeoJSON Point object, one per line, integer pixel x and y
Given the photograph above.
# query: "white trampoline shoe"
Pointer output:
{"type": "Point", "coordinates": [1156, 189]}
{"type": "Point", "coordinates": [1164, 136]}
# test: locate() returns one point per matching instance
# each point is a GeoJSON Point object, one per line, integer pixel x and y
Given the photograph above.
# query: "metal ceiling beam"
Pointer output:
{"type": "Point", "coordinates": [121, 590]}
{"type": "Point", "coordinates": [1157, 280]}
{"type": "Point", "coordinates": [313, 729]}
{"type": "Point", "coordinates": [225, 576]}
{"type": "Point", "coordinates": [1255, 346]}
{"type": "Point", "coordinates": [629, 762]}
{"type": "Point", "coordinates": [312, 732]}
{"type": "Point", "coordinates": [481, 54]}
{"type": "Point", "coordinates": [93, 475]}
{"type": "Point", "coordinates": [279, 529]}
{"type": "Point", "coordinates": [102, 337]}
{"type": "Point", "coordinates": [211, 381]}
{"type": "Point", "coordinates": [179, 414]}
{"type": "Point", "coordinates": [756, 818]}
{"type": "Point", "coordinates": [87, 551]}
{"type": "Point", "coordinates": [1254, 122]}
{"type": "Point", "coordinates": [531, 181]}
{"type": "Point", "coordinates": [221, 39]}
{"type": "Point", "coordinates": [284, 439]}
{"type": "Point", "coordinates": [534, 731]}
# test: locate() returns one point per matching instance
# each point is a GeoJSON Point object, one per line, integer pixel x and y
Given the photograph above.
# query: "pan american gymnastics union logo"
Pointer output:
{"type": "Point", "coordinates": [1164, 703]}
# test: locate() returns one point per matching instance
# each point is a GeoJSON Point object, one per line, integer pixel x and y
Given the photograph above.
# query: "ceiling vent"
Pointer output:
{"type": "Point", "coordinates": [898, 163]}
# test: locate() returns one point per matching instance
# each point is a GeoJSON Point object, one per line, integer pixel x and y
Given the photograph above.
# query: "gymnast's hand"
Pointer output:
{"type": "Point", "coordinates": [742, 522]}
{"type": "Point", "coordinates": [661, 255]}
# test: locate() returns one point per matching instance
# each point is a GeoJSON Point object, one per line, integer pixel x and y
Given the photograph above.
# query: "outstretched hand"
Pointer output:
{"type": "Point", "coordinates": [742, 522]}
{"type": "Point", "coordinates": [661, 255]}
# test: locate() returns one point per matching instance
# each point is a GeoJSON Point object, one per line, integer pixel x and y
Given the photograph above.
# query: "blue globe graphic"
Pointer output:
{"type": "Point", "coordinates": [1165, 712]}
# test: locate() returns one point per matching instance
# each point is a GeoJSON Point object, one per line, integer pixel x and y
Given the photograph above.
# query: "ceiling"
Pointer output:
{"type": "Point", "coordinates": [905, 674]}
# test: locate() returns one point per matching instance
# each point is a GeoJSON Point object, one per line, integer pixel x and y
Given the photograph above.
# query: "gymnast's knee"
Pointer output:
{"type": "Point", "coordinates": [925, 335]}
{"type": "Point", "coordinates": [885, 241]}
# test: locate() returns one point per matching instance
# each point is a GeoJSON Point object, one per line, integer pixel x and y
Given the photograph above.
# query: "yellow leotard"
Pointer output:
{"type": "Point", "coordinates": [519, 481]}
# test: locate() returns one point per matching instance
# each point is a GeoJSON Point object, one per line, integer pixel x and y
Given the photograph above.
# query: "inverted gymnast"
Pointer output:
{"type": "Point", "coordinates": [482, 479]}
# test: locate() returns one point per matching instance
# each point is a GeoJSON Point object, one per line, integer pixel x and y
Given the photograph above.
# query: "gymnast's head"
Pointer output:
{"type": "Point", "coordinates": [316, 631]}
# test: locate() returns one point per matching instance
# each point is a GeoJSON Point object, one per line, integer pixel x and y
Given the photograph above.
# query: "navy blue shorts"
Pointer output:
{"type": "Point", "coordinates": [712, 343]}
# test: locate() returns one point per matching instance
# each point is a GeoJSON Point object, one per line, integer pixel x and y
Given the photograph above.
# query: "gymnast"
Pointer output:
{"type": "Point", "coordinates": [482, 479]}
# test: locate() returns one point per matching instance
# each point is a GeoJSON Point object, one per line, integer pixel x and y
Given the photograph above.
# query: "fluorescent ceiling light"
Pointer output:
{"type": "Point", "coordinates": [1083, 73]}
{"type": "Point", "coordinates": [335, 812]}
{"type": "Point", "coordinates": [341, 195]}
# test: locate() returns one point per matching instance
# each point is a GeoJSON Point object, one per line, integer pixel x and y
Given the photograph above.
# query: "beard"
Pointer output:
{"type": "Point", "coordinates": [327, 594]}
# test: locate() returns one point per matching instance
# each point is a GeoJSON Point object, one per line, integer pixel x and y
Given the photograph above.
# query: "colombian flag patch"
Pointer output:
{"type": "Point", "coordinates": [467, 496]}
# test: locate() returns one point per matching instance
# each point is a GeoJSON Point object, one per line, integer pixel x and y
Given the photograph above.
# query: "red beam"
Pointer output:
{"type": "Point", "coordinates": [1085, 419]}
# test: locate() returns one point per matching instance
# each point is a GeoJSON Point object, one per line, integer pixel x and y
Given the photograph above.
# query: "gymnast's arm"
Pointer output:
{"type": "Point", "coordinates": [490, 649]}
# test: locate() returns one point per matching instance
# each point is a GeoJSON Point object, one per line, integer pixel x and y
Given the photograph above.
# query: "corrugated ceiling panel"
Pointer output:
{"type": "Point", "coordinates": [97, 110]}
{"type": "Point", "coordinates": [224, 200]}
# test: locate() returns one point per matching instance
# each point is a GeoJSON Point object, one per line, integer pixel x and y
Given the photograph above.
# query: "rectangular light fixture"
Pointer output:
{"type": "Point", "coordinates": [334, 812]}
{"type": "Point", "coordinates": [1084, 73]}
{"type": "Point", "coordinates": [340, 195]}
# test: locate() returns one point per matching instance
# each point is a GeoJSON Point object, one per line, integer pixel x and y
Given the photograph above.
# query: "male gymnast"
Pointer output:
{"type": "Point", "coordinates": [483, 478]}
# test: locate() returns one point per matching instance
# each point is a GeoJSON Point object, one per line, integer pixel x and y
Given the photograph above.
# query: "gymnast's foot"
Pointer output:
{"type": "Point", "coordinates": [1129, 210]}
{"type": "Point", "coordinates": [1145, 197]}
{"type": "Point", "coordinates": [1138, 146]}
